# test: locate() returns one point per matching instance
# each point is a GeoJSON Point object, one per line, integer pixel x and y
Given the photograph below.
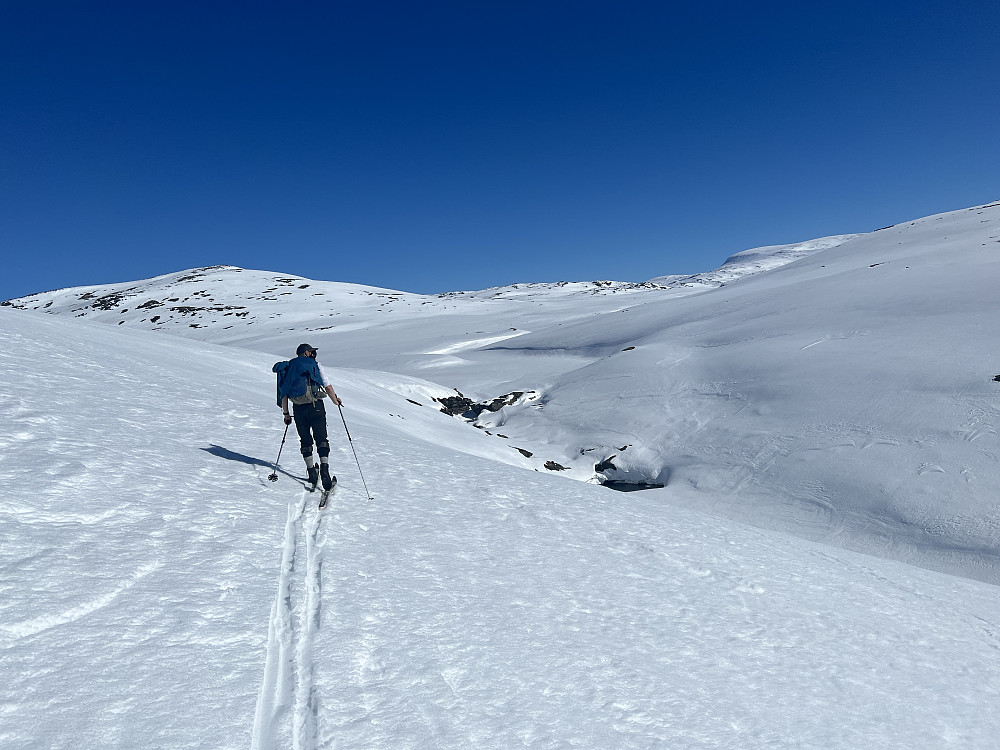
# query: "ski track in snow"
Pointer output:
{"type": "Point", "coordinates": [288, 702]}
{"type": "Point", "coordinates": [305, 726]}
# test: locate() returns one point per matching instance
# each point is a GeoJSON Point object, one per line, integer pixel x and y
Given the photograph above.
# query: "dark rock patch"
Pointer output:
{"type": "Point", "coordinates": [189, 310]}
{"type": "Point", "coordinates": [605, 465]}
{"type": "Point", "coordinates": [553, 466]}
{"type": "Point", "coordinates": [455, 405]}
{"type": "Point", "coordinates": [465, 407]}
{"type": "Point", "coordinates": [506, 400]}
{"type": "Point", "coordinates": [109, 301]}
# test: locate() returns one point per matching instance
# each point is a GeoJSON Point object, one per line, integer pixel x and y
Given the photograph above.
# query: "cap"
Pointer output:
{"type": "Point", "coordinates": [303, 348]}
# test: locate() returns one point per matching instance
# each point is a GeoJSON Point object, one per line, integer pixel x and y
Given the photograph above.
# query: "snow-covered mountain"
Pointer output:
{"type": "Point", "coordinates": [838, 389]}
{"type": "Point", "coordinates": [158, 591]}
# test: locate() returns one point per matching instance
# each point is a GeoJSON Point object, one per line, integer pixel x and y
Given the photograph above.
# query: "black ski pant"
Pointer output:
{"type": "Point", "coordinates": [310, 422]}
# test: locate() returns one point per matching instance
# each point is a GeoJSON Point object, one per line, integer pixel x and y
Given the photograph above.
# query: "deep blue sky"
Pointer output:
{"type": "Point", "coordinates": [434, 146]}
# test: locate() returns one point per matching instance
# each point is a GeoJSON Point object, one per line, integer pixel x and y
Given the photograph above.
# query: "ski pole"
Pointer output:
{"type": "Point", "coordinates": [349, 440]}
{"type": "Point", "coordinates": [273, 477]}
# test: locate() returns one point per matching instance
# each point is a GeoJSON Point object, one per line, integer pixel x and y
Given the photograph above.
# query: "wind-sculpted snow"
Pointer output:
{"type": "Point", "coordinates": [756, 260]}
{"type": "Point", "coordinates": [160, 592]}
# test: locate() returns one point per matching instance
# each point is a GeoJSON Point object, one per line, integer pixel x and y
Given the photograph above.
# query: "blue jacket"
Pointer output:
{"type": "Point", "coordinates": [294, 377]}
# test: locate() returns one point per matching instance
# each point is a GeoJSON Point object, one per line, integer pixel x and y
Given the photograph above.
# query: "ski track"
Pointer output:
{"type": "Point", "coordinates": [305, 726]}
{"type": "Point", "coordinates": [287, 701]}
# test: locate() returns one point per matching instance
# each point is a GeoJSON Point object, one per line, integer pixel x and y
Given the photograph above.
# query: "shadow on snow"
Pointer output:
{"type": "Point", "coordinates": [218, 450]}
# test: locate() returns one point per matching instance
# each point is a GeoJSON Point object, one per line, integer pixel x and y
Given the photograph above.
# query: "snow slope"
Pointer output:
{"type": "Point", "coordinates": [160, 592]}
{"type": "Point", "coordinates": [757, 260]}
{"type": "Point", "coordinates": [847, 397]}
{"type": "Point", "coordinates": [839, 389]}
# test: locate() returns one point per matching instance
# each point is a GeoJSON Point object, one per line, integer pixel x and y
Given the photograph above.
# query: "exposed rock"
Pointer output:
{"type": "Point", "coordinates": [605, 465]}
{"type": "Point", "coordinates": [506, 400]}
{"type": "Point", "coordinates": [109, 301]}
{"type": "Point", "coordinates": [456, 405]}
{"type": "Point", "coordinates": [553, 466]}
{"type": "Point", "coordinates": [188, 310]}
{"type": "Point", "coordinates": [468, 409]}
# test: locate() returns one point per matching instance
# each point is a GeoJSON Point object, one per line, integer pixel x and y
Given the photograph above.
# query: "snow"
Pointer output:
{"type": "Point", "coordinates": [757, 260]}
{"type": "Point", "coordinates": [159, 591]}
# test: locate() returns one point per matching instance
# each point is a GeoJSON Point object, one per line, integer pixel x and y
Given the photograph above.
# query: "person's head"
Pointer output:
{"type": "Point", "coordinates": [305, 350]}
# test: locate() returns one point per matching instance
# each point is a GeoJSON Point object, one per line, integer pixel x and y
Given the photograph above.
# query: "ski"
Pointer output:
{"type": "Point", "coordinates": [325, 497]}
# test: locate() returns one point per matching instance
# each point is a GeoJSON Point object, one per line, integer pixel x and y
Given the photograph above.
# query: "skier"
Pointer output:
{"type": "Point", "coordinates": [303, 384]}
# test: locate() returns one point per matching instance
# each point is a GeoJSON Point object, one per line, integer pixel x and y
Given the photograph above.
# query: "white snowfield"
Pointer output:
{"type": "Point", "coordinates": [158, 591]}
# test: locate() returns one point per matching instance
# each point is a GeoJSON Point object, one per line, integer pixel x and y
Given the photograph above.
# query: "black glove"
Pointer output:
{"type": "Point", "coordinates": [288, 419]}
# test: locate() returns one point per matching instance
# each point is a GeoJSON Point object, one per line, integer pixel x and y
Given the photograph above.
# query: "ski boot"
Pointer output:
{"type": "Point", "coordinates": [328, 481]}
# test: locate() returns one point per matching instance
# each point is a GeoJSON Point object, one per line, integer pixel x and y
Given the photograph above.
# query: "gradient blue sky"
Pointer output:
{"type": "Point", "coordinates": [435, 146]}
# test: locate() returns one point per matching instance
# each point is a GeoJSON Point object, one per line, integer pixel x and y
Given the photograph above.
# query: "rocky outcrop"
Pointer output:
{"type": "Point", "coordinates": [464, 407]}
